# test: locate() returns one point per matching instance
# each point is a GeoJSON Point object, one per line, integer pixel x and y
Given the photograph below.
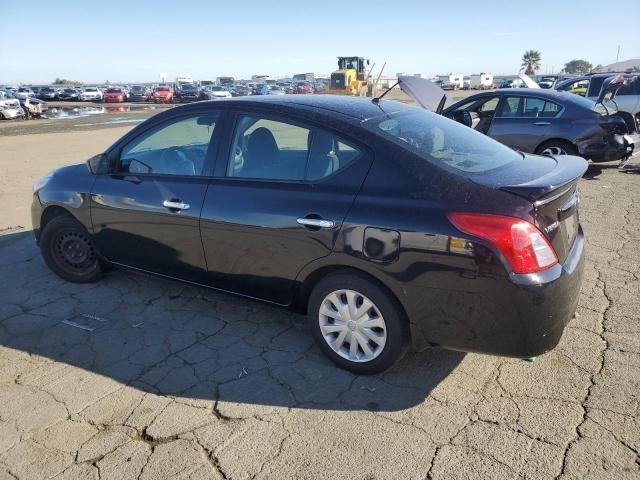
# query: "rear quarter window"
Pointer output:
{"type": "Point", "coordinates": [443, 142]}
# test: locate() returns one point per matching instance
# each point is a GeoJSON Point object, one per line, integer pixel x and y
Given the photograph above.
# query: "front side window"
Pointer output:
{"type": "Point", "coordinates": [178, 147]}
{"type": "Point", "coordinates": [272, 150]}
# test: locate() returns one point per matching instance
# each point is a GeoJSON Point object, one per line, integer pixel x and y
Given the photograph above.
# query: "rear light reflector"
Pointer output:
{"type": "Point", "coordinates": [523, 246]}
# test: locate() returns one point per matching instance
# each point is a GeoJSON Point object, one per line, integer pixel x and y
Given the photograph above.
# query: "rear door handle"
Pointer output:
{"type": "Point", "coordinates": [175, 205]}
{"type": "Point", "coordinates": [542, 123]}
{"type": "Point", "coordinates": [316, 223]}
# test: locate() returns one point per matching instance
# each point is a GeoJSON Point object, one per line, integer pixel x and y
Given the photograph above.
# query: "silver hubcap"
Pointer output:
{"type": "Point", "coordinates": [554, 151]}
{"type": "Point", "coordinates": [352, 326]}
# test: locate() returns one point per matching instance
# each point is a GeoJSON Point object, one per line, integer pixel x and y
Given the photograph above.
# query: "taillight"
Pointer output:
{"type": "Point", "coordinates": [520, 242]}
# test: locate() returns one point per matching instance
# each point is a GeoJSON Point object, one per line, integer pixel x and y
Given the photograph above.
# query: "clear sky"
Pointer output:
{"type": "Point", "coordinates": [136, 40]}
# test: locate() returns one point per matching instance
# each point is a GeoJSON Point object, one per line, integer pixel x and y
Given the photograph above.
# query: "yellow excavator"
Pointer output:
{"type": "Point", "coordinates": [351, 78]}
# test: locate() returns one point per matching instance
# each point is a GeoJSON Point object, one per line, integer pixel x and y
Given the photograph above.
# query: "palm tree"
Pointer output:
{"type": "Point", "coordinates": [531, 61]}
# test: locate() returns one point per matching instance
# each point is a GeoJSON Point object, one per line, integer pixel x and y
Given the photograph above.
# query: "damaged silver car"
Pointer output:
{"type": "Point", "coordinates": [10, 107]}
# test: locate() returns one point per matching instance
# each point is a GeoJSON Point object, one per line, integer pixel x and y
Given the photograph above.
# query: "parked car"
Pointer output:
{"type": "Point", "coordinates": [162, 94]}
{"type": "Point", "coordinates": [389, 225]}
{"type": "Point", "coordinates": [261, 89]}
{"type": "Point", "coordinates": [114, 95]}
{"type": "Point", "coordinates": [240, 91]}
{"type": "Point", "coordinates": [68, 94]}
{"type": "Point", "coordinates": [139, 93]}
{"type": "Point", "coordinates": [304, 87]}
{"type": "Point", "coordinates": [188, 92]}
{"type": "Point", "coordinates": [48, 93]}
{"type": "Point", "coordinates": [90, 94]}
{"type": "Point", "coordinates": [545, 121]}
{"type": "Point", "coordinates": [276, 90]}
{"type": "Point", "coordinates": [25, 92]}
{"type": "Point", "coordinates": [213, 92]}
{"type": "Point", "coordinates": [590, 86]}
{"type": "Point", "coordinates": [10, 106]}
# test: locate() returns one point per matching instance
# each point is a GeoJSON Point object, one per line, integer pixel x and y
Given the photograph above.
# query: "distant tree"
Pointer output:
{"type": "Point", "coordinates": [598, 68]}
{"type": "Point", "coordinates": [531, 61]}
{"type": "Point", "coordinates": [578, 66]}
{"type": "Point", "coordinates": [64, 81]}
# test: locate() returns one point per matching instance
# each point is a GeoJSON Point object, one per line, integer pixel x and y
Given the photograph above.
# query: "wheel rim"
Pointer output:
{"type": "Point", "coordinates": [352, 326]}
{"type": "Point", "coordinates": [554, 150]}
{"type": "Point", "coordinates": [74, 251]}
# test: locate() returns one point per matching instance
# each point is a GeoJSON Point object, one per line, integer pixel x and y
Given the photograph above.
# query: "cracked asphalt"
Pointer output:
{"type": "Point", "coordinates": [136, 377]}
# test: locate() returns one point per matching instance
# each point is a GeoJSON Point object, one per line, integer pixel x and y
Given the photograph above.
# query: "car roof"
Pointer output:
{"type": "Point", "coordinates": [354, 108]}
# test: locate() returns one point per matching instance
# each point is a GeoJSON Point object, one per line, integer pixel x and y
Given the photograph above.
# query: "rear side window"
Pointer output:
{"type": "Point", "coordinates": [528, 107]}
{"type": "Point", "coordinates": [273, 150]}
{"type": "Point", "coordinates": [442, 142]}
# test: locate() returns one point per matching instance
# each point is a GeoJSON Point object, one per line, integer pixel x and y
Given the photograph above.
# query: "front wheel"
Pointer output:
{"type": "Point", "coordinates": [357, 324]}
{"type": "Point", "coordinates": [69, 250]}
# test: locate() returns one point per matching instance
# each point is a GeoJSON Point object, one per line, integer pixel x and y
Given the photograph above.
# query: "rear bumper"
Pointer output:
{"type": "Point", "coordinates": [516, 316]}
{"type": "Point", "coordinates": [615, 147]}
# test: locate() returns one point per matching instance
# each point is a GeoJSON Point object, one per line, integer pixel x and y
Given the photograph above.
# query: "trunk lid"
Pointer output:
{"type": "Point", "coordinates": [551, 185]}
{"type": "Point", "coordinates": [426, 93]}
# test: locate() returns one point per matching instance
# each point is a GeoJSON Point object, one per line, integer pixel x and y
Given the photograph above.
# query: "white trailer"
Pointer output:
{"type": "Point", "coordinates": [482, 81]}
{"type": "Point", "coordinates": [453, 81]}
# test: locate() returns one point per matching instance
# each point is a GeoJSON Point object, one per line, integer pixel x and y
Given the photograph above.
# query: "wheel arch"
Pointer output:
{"type": "Point", "coordinates": [306, 286]}
{"type": "Point", "coordinates": [51, 212]}
{"type": "Point", "coordinates": [554, 139]}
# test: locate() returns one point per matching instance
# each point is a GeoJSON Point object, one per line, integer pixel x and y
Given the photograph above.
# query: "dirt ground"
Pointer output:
{"type": "Point", "coordinates": [137, 377]}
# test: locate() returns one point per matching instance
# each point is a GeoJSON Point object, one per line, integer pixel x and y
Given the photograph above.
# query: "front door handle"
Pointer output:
{"type": "Point", "coordinates": [316, 223]}
{"type": "Point", "coordinates": [542, 123]}
{"type": "Point", "coordinates": [175, 205]}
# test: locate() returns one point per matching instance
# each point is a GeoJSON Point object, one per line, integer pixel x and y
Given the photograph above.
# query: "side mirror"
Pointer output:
{"type": "Point", "coordinates": [99, 164]}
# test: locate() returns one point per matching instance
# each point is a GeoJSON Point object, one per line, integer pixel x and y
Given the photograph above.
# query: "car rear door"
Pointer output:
{"type": "Point", "coordinates": [146, 212]}
{"type": "Point", "coordinates": [523, 122]}
{"type": "Point", "coordinates": [281, 191]}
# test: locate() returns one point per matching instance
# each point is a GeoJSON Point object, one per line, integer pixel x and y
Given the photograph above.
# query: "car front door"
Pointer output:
{"type": "Point", "coordinates": [277, 203]}
{"type": "Point", "coordinates": [523, 122]}
{"type": "Point", "coordinates": [146, 212]}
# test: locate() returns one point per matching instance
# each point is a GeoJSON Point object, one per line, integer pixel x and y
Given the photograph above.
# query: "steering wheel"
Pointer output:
{"type": "Point", "coordinates": [174, 160]}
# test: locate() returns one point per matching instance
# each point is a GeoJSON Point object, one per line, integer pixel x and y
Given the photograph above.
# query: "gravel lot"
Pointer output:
{"type": "Point", "coordinates": [137, 377]}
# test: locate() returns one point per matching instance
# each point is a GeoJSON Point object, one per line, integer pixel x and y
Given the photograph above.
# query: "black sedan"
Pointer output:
{"type": "Point", "coordinates": [551, 122]}
{"type": "Point", "coordinates": [69, 94]}
{"type": "Point", "coordinates": [389, 225]}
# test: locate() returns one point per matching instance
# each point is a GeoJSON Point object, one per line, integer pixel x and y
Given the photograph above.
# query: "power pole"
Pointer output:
{"type": "Point", "coordinates": [618, 54]}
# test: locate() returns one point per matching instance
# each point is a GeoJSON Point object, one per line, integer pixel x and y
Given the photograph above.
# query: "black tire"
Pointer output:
{"type": "Point", "coordinates": [397, 334]}
{"type": "Point", "coordinates": [69, 250]}
{"type": "Point", "coordinates": [562, 146]}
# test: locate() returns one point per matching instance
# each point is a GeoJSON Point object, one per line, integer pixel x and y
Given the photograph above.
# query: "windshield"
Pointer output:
{"type": "Point", "coordinates": [137, 88]}
{"type": "Point", "coordinates": [90, 89]}
{"type": "Point", "coordinates": [443, 142]}
{"type": "Point", "coordinates": [188, 86]}
{"type": "Point", "coordinates": [114, 90]}
{"type": "Point", "coordinates": [162, 89]}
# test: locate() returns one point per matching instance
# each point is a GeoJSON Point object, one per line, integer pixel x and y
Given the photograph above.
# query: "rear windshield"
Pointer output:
{"type": "Point", "coordinates": [114, 90]}
{"type": "Point", "coordinates": [443, 142]}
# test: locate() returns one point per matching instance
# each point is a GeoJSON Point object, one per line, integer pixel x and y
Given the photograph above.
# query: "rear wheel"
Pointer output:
{"type": "Point", "coordinates": [69, 250]}
{"type": "Point", "coordinates": [357, 324]}
{"type": "Point", "coordinates": [556, 147]}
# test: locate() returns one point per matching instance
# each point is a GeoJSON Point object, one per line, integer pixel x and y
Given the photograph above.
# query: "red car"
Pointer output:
{"type": "Point", "coordinates": [163, 94]}
{"type": "Point", "coordinates": [115, 95]}
{"type": "Point", "coordinates": [304, 87]}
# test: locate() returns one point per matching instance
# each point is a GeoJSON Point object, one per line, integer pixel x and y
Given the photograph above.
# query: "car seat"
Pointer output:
{"type": "Point", "coordinates": [262, 156]}
{"type": "Point", "coordinates": [323, 160]}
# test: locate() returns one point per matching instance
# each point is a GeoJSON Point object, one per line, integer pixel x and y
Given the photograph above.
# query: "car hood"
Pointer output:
{"type": "Point", "coordinates": [426, 93]}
